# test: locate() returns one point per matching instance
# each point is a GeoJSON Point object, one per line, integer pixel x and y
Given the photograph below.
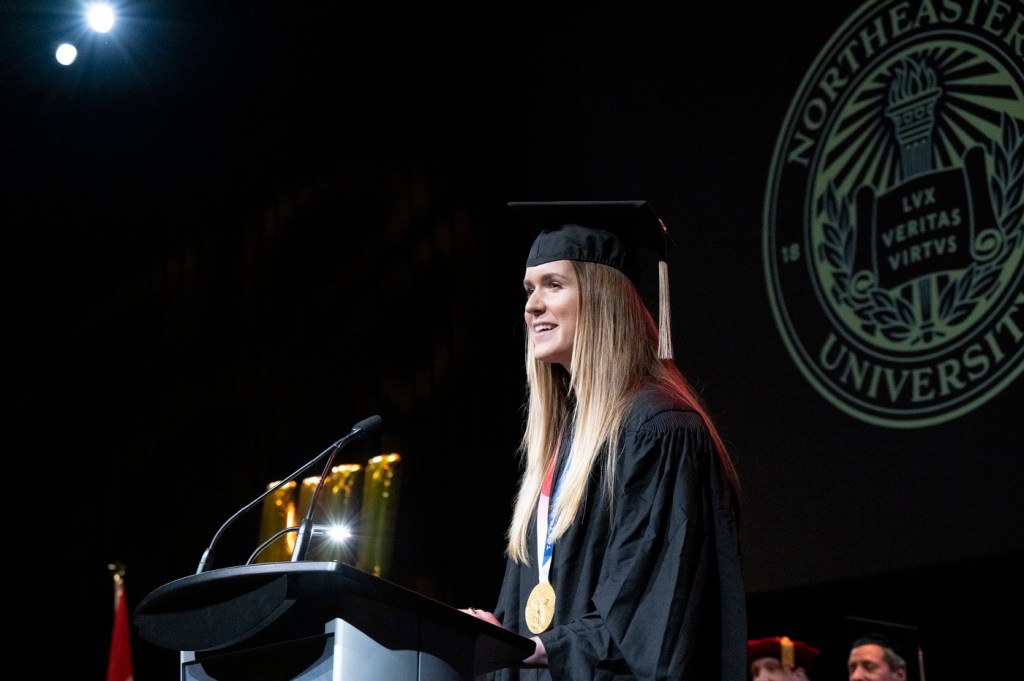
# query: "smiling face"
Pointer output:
{"type": "Point", "coordinates": [552, 307]}
{"type": "Point", "coordinates": [867, 662]}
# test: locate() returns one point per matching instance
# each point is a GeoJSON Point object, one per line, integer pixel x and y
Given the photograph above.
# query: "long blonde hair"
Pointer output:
{"type": "Point", "coordinates": [615, 351]}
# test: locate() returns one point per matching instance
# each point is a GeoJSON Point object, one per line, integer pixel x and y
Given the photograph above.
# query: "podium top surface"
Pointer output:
{"type": "Point", "coordinates": [233, 607]}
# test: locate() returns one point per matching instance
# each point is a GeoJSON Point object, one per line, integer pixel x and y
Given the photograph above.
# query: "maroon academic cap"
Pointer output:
{"type": "Point", "coordinates": [789, 652]}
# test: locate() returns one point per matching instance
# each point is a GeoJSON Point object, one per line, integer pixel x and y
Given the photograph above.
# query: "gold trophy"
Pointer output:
{"type": "Point", "coordinates": [380, 507]}
{"type": "Point", "coordinates": [337, 508]}
{"type": "Point", "coordinates": [278, 512]}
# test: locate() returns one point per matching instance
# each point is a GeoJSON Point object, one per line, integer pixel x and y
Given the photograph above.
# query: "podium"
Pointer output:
{"type": "Point", "coordinates": [317, 621]}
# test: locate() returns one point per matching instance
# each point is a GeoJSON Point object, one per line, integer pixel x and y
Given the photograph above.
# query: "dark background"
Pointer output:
{"type": "Point", "coordinates": [232, 232]}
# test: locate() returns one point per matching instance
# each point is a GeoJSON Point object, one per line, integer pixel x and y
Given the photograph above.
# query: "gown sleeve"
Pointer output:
{"type": "Point", "coordinates": [668, 567]}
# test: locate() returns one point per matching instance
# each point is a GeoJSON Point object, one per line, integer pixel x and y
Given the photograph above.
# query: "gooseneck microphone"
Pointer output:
{"type": "Point", "coordinates": [364, 427]}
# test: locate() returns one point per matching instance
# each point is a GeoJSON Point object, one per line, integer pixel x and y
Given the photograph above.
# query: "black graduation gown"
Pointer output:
{"type": "Point", "coordinates": [658, 593]}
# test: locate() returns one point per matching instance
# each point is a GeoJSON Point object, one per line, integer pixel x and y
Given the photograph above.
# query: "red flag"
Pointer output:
{"type": "Point", "coordinates": [119, 665]}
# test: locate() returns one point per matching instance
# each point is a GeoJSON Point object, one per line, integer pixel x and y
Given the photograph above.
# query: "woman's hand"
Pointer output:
{"type": "Point", "coordinates": [539, 658]}
{"type": "Point", "coordinates": [482, 615]}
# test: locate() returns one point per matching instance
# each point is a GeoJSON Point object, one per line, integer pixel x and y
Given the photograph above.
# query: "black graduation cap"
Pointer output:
{"type": "Point", "coordinates": [903, 639]}
{"type": "Point", "coordinates": [626, 235]}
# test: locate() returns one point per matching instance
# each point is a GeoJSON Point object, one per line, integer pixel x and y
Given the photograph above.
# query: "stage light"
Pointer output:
{"type": "Point", "coordinates": [66, 54]}
{"type": "Point", "coordinates": [339, 533]}
{"type": "Point", "coordinates": [100, 16]}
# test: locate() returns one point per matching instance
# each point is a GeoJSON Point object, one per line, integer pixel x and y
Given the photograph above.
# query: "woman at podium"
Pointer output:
{"type": "Point", "coordinates": [622, 555]}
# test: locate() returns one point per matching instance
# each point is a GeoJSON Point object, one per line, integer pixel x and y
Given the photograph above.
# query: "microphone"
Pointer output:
{"type": "Point", "coordinates": [364, 427]}
{"type": "Point", "coordinates": [318, 531]}
{"type": "Point", "coordinates": [305, 533]}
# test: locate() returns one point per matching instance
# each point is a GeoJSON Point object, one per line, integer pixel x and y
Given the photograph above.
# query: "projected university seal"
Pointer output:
{"type": "Point", "coordinates": [894, 212]}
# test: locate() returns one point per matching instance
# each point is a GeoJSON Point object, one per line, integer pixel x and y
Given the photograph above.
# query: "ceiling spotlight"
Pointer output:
{"type": "Point", "coordinates": [100, 16]}
{"type": "Point", "coordinates": [66, 54]}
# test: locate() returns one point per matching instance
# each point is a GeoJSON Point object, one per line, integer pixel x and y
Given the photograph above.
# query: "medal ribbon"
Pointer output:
{"type": "Point", "coordinates": [544, 544]}
{"type": "Point", "coordinates": [540, 606]}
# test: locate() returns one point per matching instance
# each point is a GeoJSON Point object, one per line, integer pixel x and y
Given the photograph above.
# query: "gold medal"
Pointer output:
{"type": "Point", "coordinates": [540, 608]}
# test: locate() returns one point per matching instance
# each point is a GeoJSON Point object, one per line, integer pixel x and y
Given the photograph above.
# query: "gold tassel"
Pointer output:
{"type": "Point", "coordinates": [787, 656]}
{"type": "Point", "coordinates": [664, 313]}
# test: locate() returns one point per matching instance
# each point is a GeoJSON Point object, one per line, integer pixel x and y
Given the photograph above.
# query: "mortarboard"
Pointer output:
{"type": "Point", "coordinates": [789, 652]}
{"type": "Point", "coordinates": [625, 235]}
{"type": "Point", "coordinates": [903, 639]}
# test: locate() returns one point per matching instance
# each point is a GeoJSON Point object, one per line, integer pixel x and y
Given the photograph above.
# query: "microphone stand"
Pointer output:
{"type": "Point", "coordinates": [364, 427]}
{"type": "Point", "coordinates": [318, 530]}
{"type": "Point", "coordinates": [306, 526]}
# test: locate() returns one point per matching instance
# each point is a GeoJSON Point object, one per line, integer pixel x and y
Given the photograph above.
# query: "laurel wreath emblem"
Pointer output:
{"type": "Point", "coordinates": [879, 310]}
